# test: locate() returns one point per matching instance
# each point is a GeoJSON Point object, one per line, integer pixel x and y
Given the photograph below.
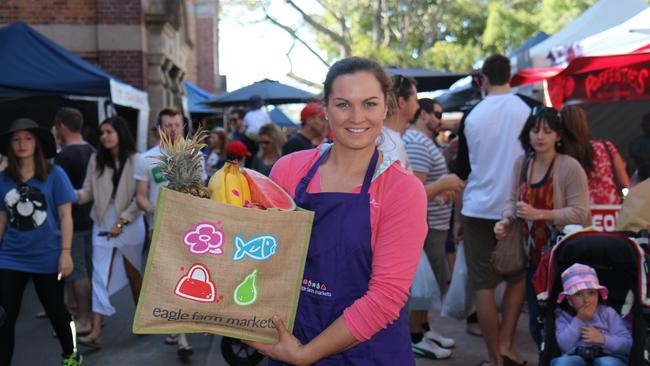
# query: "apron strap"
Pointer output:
{"type": "Point", "coordinates": [301, 189]}
{"type": "Point", "coordinates": [370, 172]}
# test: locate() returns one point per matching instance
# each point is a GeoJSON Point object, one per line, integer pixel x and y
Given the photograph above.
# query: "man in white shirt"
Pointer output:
{"type": "Point", "coordinates": [488, 149]}
{"type": "Point", "coordinates": [256, 117]}
{"type": "Point", "coordinates": [149, 181]}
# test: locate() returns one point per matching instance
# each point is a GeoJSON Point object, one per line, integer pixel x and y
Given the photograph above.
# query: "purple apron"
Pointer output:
{"type": "Point", "coordinates": [337, 272]}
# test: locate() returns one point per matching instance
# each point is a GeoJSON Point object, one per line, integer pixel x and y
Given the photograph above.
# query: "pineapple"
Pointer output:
{"type": "Point", "coordinates": [181, 162]}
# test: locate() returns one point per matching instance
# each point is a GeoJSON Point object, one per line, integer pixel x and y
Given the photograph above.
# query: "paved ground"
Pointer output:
{"type": "Point", "coordinates": [36, 345]}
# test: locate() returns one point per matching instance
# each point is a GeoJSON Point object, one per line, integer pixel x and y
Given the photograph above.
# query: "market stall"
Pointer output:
{"type": "Point", "coordinates": [38, 76]}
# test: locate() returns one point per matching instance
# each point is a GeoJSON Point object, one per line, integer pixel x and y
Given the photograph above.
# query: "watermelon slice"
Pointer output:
{"type": "Point", "coordinates": [266, 193]}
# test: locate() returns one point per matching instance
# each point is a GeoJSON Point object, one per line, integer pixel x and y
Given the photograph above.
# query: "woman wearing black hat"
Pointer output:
{"type": "Point", "coordinates": [35, 232]}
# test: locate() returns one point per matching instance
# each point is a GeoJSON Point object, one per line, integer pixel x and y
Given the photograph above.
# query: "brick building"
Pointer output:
{"type": "Point", "coordinates": [151, 44]}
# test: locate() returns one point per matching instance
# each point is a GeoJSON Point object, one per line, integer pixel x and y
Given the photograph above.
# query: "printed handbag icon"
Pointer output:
{"type": "Point", "coordinates": [196, 285]}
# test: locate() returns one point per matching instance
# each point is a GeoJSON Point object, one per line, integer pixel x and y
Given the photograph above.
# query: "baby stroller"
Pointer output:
{"type": "Point", "coordinates": [619, 260]}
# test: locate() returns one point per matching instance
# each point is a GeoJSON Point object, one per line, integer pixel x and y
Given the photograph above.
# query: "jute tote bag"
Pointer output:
{"type": "Point", "coordinates": [222, 269]}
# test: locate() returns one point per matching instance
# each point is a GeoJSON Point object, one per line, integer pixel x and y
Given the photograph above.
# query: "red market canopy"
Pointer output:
{"type": "Point", "coordinates": [580, 65]}
{"type": "Point", "coordinates": [594, 78]}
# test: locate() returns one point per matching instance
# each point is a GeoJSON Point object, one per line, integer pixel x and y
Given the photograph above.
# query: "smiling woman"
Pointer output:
{"type": "Point", "coordinates": [367, 235]}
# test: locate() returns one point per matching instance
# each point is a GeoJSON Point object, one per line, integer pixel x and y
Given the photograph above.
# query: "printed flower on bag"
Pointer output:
{"type": "Point", "coordinates": [204, 237]}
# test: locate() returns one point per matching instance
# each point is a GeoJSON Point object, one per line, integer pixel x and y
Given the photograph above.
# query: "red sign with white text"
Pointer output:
{"type": "Point", "coordinates": [631, 82]}
{"type": "Point", "coordinates": [604, 216]}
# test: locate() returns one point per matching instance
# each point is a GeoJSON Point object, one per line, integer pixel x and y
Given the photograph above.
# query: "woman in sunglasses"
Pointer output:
{"type": "Point", "coordinates": [551, 192]}
{"type": "Point", "coordinates": [271, 140]}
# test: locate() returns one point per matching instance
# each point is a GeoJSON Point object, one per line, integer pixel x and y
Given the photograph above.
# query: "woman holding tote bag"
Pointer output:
{"type": "Point", "coordinates": [118, 230]}
{"type": "Point", "coordinates": [551, 191]}
{"type": "Point", "coordinates": [366, 241]}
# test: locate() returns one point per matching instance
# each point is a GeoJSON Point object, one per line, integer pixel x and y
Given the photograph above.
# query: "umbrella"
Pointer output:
{"type": "Point", "coordinates": [271, 92]}
{"type": "Point", "coordinates": [195, 97]}
{"type": "Point", "coordinates": [281, 119]}
{"type": "Point", "coordinates": [462, 95]}
{"type": "Point", "coordinates": [428, 80]}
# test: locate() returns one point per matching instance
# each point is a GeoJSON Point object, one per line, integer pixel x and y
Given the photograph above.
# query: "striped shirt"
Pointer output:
{"type": "Point", "coordinates": [427, 158]}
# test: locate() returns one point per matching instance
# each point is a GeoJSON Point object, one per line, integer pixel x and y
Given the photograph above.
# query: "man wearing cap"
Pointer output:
{"type": "Point", "coordinates": [314, 126]}
{"type": "Point", "coordinates": [256, 117]}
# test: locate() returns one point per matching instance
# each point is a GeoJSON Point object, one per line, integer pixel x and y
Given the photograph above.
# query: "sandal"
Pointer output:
{"type": "Point", "coordinates": [507, 361]}
{"type": "Point", "coordinates": [171, 340]}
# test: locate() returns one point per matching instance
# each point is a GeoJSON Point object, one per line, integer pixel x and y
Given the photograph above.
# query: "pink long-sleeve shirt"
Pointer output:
{"type": "Point", "coordinates": [398, 213]}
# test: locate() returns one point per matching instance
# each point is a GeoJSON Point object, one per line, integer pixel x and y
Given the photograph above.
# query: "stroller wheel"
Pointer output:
{"type": "Point", "coordinates": [237, 353]}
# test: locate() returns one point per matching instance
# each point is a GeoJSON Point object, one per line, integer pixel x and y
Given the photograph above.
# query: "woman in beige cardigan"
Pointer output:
{"type": "Point", "coordinates": [118, 230]}
{"type": "Point", "coordinates": [550, 192]}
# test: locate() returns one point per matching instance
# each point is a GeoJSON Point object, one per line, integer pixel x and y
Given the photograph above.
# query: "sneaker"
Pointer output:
{"type": "Point", "coordinates": [428, 349]}
{"type": "Point", "coordinates": [74, 359]}
{"type": "Point", "coordinates": [439, 339]}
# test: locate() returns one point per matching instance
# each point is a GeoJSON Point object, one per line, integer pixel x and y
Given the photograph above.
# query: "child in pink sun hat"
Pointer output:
{"type": "Point", "coordinates": [589, 333]}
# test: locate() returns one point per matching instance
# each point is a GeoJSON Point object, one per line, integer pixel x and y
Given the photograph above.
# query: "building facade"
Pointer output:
{"type": "Point", "coordinates": [151, 44]}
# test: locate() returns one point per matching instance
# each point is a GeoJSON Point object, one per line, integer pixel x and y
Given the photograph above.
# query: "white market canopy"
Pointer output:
{"type": "Point", "coordinates": [623, 38]}
{"type": "Point", "coordinates": [601, 16]}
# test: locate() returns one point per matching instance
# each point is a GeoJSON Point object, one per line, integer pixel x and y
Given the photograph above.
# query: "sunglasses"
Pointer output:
{"type": "Point", "coordinates": [437, 114]}
{"type": "Point", "coordinates": [264, 142]}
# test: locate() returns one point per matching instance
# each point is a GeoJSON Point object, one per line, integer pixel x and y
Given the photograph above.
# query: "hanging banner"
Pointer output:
{"type": "Point", "coordinates": [605, 216]}
{"type": "Point", "coordinates": [630, 82]}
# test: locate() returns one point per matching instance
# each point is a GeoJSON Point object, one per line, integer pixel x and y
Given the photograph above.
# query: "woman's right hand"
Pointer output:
{"type": "Point", "coordinates": [501, 228]}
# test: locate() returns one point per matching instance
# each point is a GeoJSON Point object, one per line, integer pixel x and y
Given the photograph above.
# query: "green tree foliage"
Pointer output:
{"type": "Point", "coordinates": [448, 35]}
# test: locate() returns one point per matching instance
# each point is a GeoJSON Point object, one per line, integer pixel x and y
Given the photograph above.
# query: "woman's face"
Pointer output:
{"type": "Point", "coordinates": [356, 109]}
{"type": "Point", "coordinates": [214, 139]}
{"type": "Point", "coordinates": [265, 144]}
{"type": "Point", "coordinates": [108, 137]}
{"type": "Point", "coordinates": [408, 107]}
{"type": "Point", "coordinates": [543, 138]}
{"type": "Point", "coordinates": [24, 144]}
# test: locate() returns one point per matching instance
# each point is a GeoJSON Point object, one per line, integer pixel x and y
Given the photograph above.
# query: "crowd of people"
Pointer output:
{"type": "Point", "coordinates": [371, 160]}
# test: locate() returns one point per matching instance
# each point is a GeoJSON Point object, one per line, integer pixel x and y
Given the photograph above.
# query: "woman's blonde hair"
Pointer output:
{"type": "Point", "coordinates": [275, 135]}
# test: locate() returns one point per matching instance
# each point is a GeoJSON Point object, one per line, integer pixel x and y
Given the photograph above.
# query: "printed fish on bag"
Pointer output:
{"type": "Point", "coordinates": [258, 247]}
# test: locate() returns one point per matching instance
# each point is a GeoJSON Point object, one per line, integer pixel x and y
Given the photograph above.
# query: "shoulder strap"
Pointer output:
{"type": "Point", "coordinates": [529, 101]}
{"type": "Point", "coordinates": [617, 179]}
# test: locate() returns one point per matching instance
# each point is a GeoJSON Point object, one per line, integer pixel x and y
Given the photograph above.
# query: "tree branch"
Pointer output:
{"type": "Point", "coordinates": [376, 22]}
{"type": "Point", "coordinates": [295, 77]}
{"type": "Point", "coordinates": [323, 29]}
{"type": "Point", "coordinates": [302, 80]}
{"type": "Point", "coordinates": [297, 37]}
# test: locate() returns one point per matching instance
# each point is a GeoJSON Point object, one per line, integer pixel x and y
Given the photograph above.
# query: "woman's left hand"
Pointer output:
{"type": "Point", "coordinates": [288, 349]}
{"type": "Point", "coordinates": [116, 230]}
{"type": "Point", "coordinates": [527, 212]}
{"type": "Point", "coordinates": [65, 263]}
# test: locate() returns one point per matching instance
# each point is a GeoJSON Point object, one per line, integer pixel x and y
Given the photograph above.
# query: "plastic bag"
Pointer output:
{"type": "Point", "coordinates": [425, 286]}
{"type": "Point", "coordinates": [460, 300]}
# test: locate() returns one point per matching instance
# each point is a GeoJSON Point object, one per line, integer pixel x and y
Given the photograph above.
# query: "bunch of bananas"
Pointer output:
{"type": "Point", "coordinates": [229, 185]}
